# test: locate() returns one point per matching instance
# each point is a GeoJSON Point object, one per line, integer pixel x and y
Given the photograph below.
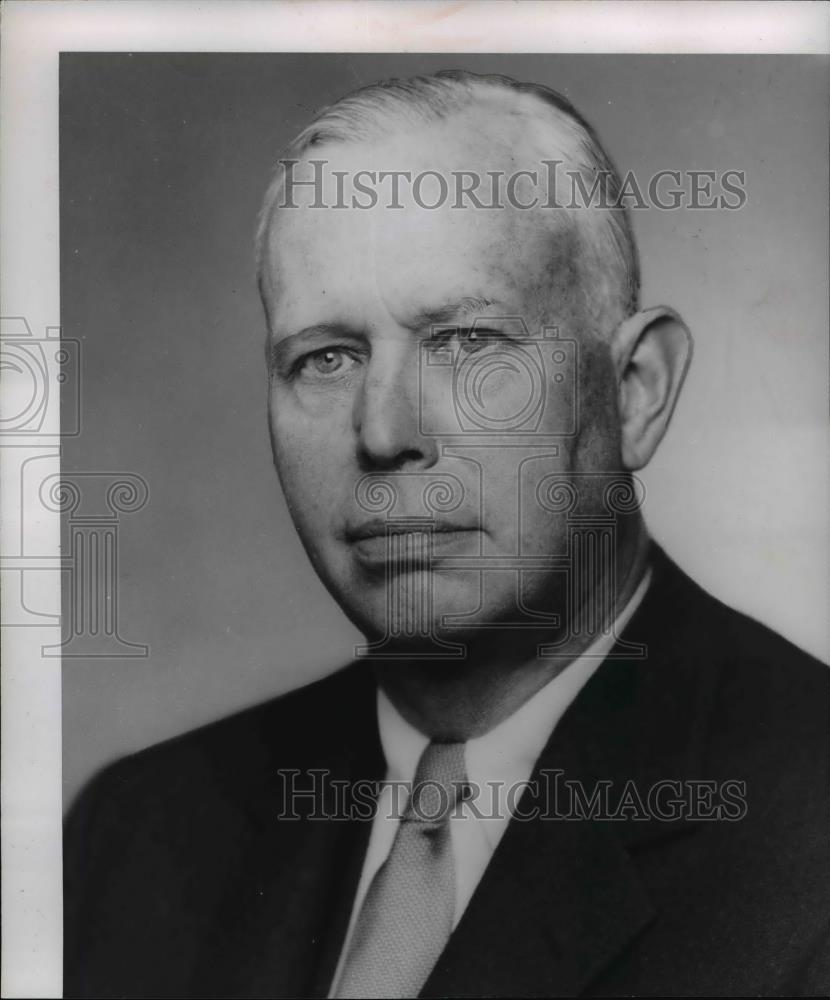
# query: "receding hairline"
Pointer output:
{"type": "Point", "coordinates": [361, 115]}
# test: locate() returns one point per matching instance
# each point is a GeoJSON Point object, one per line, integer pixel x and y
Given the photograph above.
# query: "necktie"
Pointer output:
{"type": "Point", "coordinates": [407, 914]}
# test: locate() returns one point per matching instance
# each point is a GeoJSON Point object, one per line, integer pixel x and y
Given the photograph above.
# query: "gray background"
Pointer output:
{"type": "Point", "coordinates": [164, 159]}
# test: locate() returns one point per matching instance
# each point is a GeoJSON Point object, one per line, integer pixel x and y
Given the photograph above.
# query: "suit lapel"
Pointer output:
{"type": "Point", "coordinates": [287, 911]}
{"type": "Point", "coordinates": [559, 900]}
{"type": "Point", "coordinates": [557, 903]}
{"type": "Point", "coordinates": [562, 898]}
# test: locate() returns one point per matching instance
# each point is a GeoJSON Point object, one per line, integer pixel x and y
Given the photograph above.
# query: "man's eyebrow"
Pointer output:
{"type": "Point", "coordinates": [464, 309]}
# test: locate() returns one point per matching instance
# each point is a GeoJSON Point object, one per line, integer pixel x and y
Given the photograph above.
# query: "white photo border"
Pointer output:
{"type": "Point", "coordinates": [34, 33]}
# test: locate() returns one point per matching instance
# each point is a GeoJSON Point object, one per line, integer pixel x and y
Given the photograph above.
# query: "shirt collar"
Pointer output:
{"type": "Point", "coordinates": [402, 743]}
{"type": "Point", "coordinates": [507, 752]}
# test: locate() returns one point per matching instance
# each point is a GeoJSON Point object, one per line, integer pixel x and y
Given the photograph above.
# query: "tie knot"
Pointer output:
{"type": "Point", "coordinates": [440, 781]}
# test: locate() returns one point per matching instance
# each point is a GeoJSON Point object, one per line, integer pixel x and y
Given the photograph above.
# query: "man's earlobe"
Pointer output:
{"type": "Point", "coordinates": [651, 352]}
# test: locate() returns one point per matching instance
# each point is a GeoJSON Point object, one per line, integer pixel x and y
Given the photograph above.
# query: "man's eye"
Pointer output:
{"type": "Point", "coordinates": [464, 340]}
{"type": "Point", "coordinates": [472, 341]}
{"type": "Point", "coordinates": [330, 361]}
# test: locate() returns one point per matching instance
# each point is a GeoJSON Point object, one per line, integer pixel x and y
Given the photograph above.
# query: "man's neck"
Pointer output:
{"type": "Point", "coordinates": [460, 701]}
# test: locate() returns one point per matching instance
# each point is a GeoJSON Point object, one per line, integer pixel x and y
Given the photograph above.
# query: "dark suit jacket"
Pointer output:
{"type": "Point", "coordinates": [181, 881]}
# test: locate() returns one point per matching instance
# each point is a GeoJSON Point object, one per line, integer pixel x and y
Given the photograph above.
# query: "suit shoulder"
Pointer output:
{"type": "Point", "coordinates": [234, 751]}
{"type": "Point", "coordinates": [699, 618]}
{"type": "Point", "coordinates": [762, 684]}
{"type": "Point", "coordinates": [754, 651]}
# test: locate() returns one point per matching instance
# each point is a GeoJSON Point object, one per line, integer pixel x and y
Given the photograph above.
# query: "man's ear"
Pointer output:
{"type": "Point", "coordinates": [651, 352]}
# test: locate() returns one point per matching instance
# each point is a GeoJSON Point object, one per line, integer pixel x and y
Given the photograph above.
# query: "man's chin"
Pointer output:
{"type": "Point", "coordinates": [412, 603]}
{"type": "Point", "coordinates": [454, 631]}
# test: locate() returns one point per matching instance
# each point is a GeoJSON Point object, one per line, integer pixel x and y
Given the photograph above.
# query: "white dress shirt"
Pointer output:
{"type": "Point", "coordinates": [500, 759]}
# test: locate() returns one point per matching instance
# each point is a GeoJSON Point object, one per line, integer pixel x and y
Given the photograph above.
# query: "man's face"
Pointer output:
{"type": "Point", "coordinates": [385, 408]}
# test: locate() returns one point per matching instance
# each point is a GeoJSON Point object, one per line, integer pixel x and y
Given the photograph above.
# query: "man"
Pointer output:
{"type": "Point", "coordinates": [557, 766]}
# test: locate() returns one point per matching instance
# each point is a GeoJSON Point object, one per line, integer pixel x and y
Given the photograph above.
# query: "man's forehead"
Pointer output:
{"type": "Point", "coordinates": [383, 234]}
{"type": "Point", "coordinates": [475, 138]}
{"type": "Point", "coordinates": [412, 255]}
{"type": "Point", "coordinates": [327, 265]}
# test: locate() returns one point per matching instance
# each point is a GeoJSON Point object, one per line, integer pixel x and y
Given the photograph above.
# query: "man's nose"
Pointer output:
{"type": "Point", "coordinates": [388, 410]}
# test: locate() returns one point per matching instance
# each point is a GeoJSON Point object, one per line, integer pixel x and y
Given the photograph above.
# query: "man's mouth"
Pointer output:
{"type": "Point", "coordinates": [408, 543]}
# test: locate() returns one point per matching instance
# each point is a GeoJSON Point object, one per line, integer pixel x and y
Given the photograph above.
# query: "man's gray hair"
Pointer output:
{"type": "Point", "coordinates": [608, 265]}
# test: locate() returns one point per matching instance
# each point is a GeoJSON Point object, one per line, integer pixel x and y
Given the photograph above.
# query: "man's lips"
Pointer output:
{"type": "Point", "coordinates": [409, 542]}
{"type": "Point", "coordinates": [377, 527]}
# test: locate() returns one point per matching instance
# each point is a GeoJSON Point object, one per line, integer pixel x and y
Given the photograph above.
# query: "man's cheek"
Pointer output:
{"type": "Point", "coordinates": [309, 477]}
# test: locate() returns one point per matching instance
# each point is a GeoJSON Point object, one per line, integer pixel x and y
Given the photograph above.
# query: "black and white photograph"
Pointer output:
{"type": "Point", "coordinates": [428, 452]}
